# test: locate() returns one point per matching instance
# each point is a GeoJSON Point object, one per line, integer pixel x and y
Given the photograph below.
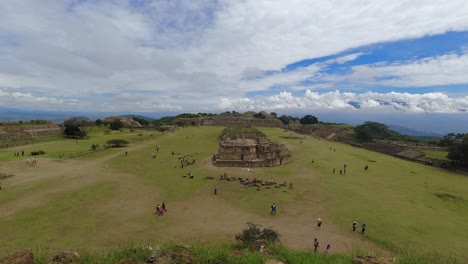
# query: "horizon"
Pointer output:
{"type": "Point", "coordinates": [392, 61]}
{"type": "Point", "coordinates": [418, 127]}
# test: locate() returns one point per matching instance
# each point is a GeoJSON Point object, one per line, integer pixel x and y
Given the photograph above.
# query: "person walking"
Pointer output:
{"type": "Point", "coordinates": [216, 190]}
{"type": "Point", "coordinates": [319, 223]}
{"type": "Point", "coordinates": [273, 209]}
{"type": "Point", "coordinates": [363, 228]}
{"type": "Point", "coordinates": [328, 250]}
{"type": "Point", "coordinates": [316, 244]}
{"type": "Point", "coordinates": [161, 211]}
{"type": "Point", "coordinates": [354, 226]}
{"type": "Point", "coordinates": [163, 206]}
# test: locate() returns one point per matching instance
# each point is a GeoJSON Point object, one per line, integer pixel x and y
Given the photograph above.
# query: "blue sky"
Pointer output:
{"type": "Point", "coordinates": [400, 58]}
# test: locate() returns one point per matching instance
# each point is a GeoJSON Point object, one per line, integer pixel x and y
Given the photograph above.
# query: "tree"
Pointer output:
{"type": "Point", "coordinates": [253, 234]}
{"type": "Point", "coordinates": [308, 119]}
{"type": "Point", "coordinates": [451, 139]}
{"type": "Point", "coordinates": [284, 119]}
{"type": "Point", "coordinates": [116, 143]}
{"type": "Point", "coordinates": [142, 121]}
{"type": "Point", "coordinates": [373, 130]}
{"type": "Point", "coordinates": [259, 115]}
{"type": "Point", "coordinates": [459, 151]}
{"type": "Point", "coordinates": [274, 114]}
{"type": "Point", "coordinates": [116, 124]}
{"type": "Point", "coordinates": [288, 119]}
{"type": "Point", "coordinates": [98, 122]}
{"type": "Point", "coordinates": [74, 131]}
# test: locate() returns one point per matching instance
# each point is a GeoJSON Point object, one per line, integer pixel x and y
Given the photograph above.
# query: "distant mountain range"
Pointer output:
{"type": "Point", "coordinates": [11, 115]}
{"type": "Point", "coordinates": [413, 132]}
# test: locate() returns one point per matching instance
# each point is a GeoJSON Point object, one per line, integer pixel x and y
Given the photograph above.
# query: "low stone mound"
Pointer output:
{"type": "Point", "coordinates": [372, 260]}
{"type": "Point", "coordinates": [23, 257]}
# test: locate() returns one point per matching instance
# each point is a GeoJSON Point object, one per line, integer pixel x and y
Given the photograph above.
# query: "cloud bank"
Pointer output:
{"type": "Point", "coordinates": [191, 56]}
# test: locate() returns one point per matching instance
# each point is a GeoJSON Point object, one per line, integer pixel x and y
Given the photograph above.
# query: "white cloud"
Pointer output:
{"type": "Point", "coordinates": [370, 102]}
{"type": "Point", "coordinates": [448, 69]}
{"type": "Point", "coordinates": [187, 55]}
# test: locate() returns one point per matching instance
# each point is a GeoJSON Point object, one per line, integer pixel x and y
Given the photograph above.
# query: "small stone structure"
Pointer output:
{"type": "Point", "coordinates": [250, 151]}
{"type": "Point", "coordinates": [126, 121]}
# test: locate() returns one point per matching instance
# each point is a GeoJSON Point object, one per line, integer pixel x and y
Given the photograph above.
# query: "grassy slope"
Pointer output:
{"type": "Point", "coordinates": [436, 155]}
{"type": "Point", "coordinates": [394, 197]}
{"type": "Point", "coordinates": [73, 212]}
{"type": "Point", "coordinates": [165, 171]}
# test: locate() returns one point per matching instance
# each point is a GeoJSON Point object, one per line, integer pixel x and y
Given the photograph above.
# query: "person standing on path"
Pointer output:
{"type": "Point", "coordinates": [363, 228]}
{"type": "Point", "coordinates": [354, 227]}
{"type": "Point", "coordinates": [216, 190]}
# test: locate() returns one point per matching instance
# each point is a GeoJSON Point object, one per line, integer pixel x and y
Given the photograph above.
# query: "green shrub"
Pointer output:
{"type": "Point", "coordinates": [37, 152]}
{"type": "Point", "coordinates": [252, 235]}
{"type": "Point", "coordinates": [116, 143]}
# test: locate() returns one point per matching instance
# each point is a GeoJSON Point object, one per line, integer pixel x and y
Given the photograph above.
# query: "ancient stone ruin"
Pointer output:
{"type": "Point", "coordinates": [126, 121]}
{"type": "Point", "coordinates": [248, 147]}
{"type": "Point", "coordinates": [17, 132]}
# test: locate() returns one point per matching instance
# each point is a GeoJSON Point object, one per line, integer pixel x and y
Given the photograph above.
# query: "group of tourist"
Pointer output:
{"type": "Point", "coordinates": [31, 162]}
{"type": "Point", "coordinates": [317, 245]}
{"type": "Point", "coordinates": [363, 227]}
{"type": "Point", "coordinates": [17, 153]}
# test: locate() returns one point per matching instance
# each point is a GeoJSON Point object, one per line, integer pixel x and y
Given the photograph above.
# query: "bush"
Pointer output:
{"type": "Point", "coordinates": [251, 236]}
{"type": "Point", "coordinates": [38, 152]}
{"type": "Point", "coordinates": [116, 143]}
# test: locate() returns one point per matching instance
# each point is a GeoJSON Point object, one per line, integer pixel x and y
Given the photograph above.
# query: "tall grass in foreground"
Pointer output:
{"type": "Point", "coordinates": [224, 253]}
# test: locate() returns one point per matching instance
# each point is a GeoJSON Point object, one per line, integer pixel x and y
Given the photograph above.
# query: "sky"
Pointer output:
{"type": "Point", "coordinates": [336, 58]}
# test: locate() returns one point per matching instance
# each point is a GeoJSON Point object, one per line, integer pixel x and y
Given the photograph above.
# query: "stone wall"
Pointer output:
{"type": "Point", "coordinates": [229, 121]}
{"type": "Point", "coordinates": [28, 132]}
